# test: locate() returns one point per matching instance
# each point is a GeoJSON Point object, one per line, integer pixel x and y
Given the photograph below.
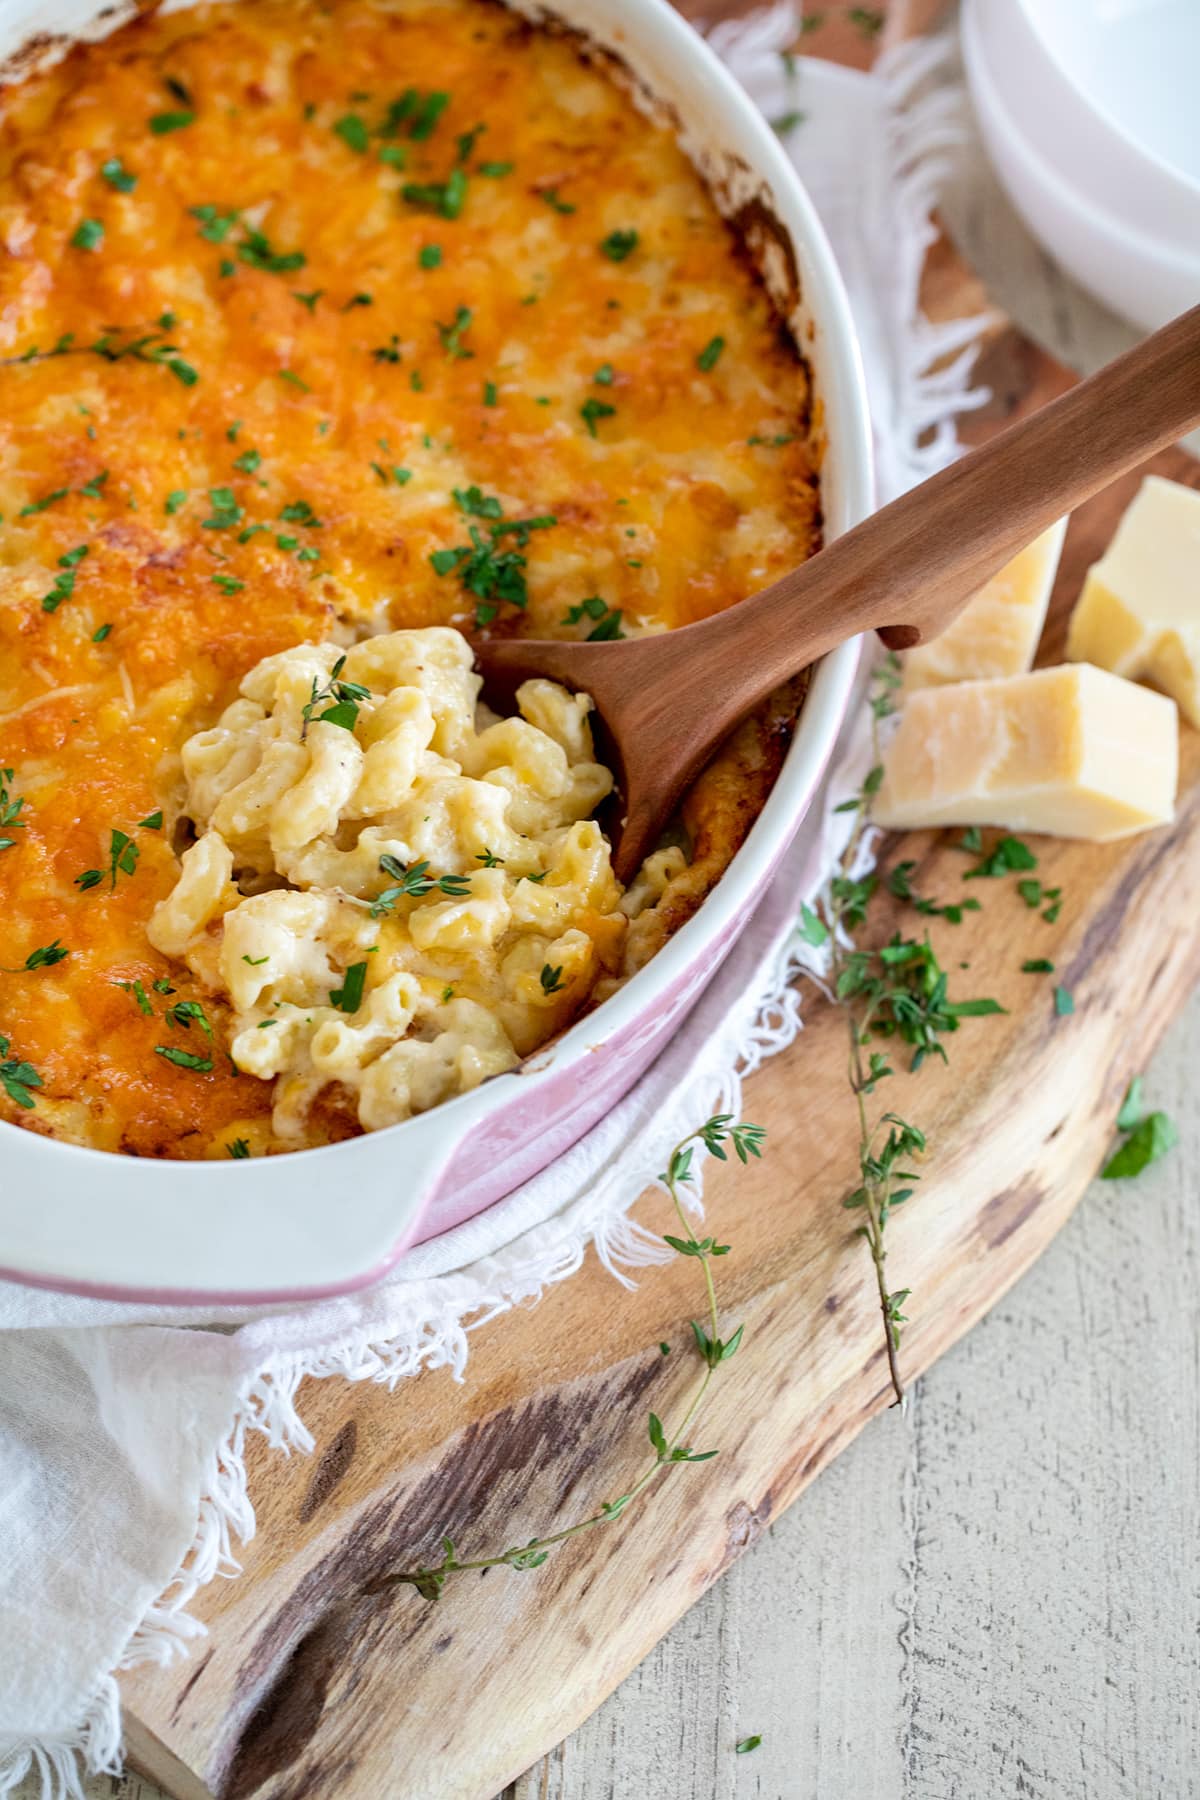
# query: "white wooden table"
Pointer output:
{"type": "Point", "coordinates": [997, 1596]}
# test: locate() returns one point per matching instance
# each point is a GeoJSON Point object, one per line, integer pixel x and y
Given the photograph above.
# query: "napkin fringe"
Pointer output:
{"type": "Point", "coordinates": [931, 384]}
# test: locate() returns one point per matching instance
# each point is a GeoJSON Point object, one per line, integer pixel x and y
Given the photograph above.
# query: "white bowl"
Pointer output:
{"type": "Point", "coordinates": [1100, 90]}
{"type": "Point", "coordinates": [1145, 275]}
{"type": "Point", "coordinates": [328, 1220]}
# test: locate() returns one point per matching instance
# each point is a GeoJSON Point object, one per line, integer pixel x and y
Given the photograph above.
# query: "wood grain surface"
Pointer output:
{"type": "Point", "coordinates": [305, 1690]}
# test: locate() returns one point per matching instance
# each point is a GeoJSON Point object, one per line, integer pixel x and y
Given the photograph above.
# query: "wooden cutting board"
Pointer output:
{"type": "Point", "coordinates": [307, 1687]}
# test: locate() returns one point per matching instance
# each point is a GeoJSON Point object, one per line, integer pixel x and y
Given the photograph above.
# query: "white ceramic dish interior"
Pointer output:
{"type": "Point", "coordinates": [324, 1221]}
{"type": "Point", "coordinates": [1122, 225]}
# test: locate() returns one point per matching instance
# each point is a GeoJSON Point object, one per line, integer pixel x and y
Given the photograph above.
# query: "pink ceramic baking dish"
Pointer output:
{"type": "Point", "coordinates": [325, 1221]}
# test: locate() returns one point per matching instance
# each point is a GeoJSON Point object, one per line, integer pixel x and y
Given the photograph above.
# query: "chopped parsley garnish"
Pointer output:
{"type": "Point", "coordinates": [119, 177]}
{"type": "Point", "coordinates": [10, 807]}
{"type": "Point", "coordinates": [604, 375]}
{"type": "Point", "coordinates": [413, 881]}
{"type": "Point", "coordinates": [88, 235]}
{"type": "Point", "coordinates": [467, 141]}
{"type": "Point", "coordinates": [480, 505]}
{"type": "Point", "coordinates": [430, 256]}
{"type": "Point", "coordinates": [1037, 965]}
{"type": "Point", "coordinates": [551, 197]}
{"type": "Point", "coordinates": [152, 821]}
{"type": "Point", "coordinates": [174, 500]}
{"type": "Point", "coordinates": [44, 957]}
{"type": "Point", "coordinates": [444, 197]}
{"type": "Point", "coordinates": [1064, 1001]}
{"type": "Point", "coordinates": [389, 352]}
{"type": "Point", "coordinates": [770, 443]}
{"type": "Point", "coordinates": [426, 115]}
{"type": "Point", "coordinates": [161, 123]}
{"type": "Point", "coordinates": [238, 1149]}
{"type": "Point", "coordinates": [1149, 1140]}
{"type": "Point", "coordinates": [868, 20]}
{"type": "Point", "coordinates": [495, 171]}
{"type": "Point", "coordinates": [299, 512]}
{"type": "Point", "coordinates": [228, 584]}
{"type": "Point", "coordinates": [308, 300]}
{"type": "Point", "coordinates": [608, 621]}
{"type": "Point", "coordinates": [787, 121]}
{"type": "Point", "coordinates": [344, 697]}
{"type": "Point", "coordinates": [452, 335]}
{"type": "Point", "coordinates": [746, 1744]}
{"type": "Point", "coordinates": [64, 581]}
{"type": "Point", "coordinates": [348, 997]}
{"type": "Point", "coordinates": [358, 300]}
{"type": "Point", "coordinates": [1033, 894]}
{"type": "Point", "coordinates": [122, 860]}
{"type": "Point", "coordinates": [17, 1078]}
{"type": "Point", "coordinates": [619, 244]}
{"type": "Point", "coordinates": [551, 979]}
{"type": "Point", "coordinates": [248, 461]}
{"type": "Point", "coordinates": [395, 155]}
{"type": "Point", "coordinates": [184, 1059]}
{"type": "Point", "coordinates": [100, 633]}
{"type": "Point", "coordinates": [39, 506]}
{"type": "Point", "coordinates": [139, 994]}
{"type": "Point", "coordinates": [490, 396]}
{"type": "Point", "coordinates": [184, 1012]}
{"type": "Point", "coordinates": [493, 575]}
{"type": "Point", "coordinates": [353, 132]}
{"type": "Point", "coordinates": [710, 355]}
{"type": "Point", "coordinates": [253, 247]}
{"type": "Point", "coordinates": [593, 409]}
{"type": "Point", "coordinates": [92, 488]}
{"type": "Point", "coordinates": [255, 962]}
{"type": "Point", "coordinates": [1009, 855]}
{"type": "Point", "coordinates": [900, 884]}
{"type": "Point", "coordinates": [226, 511]}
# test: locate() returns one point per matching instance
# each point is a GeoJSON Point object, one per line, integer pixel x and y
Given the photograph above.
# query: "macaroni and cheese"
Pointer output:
{"type": "Point", "coordinates": [323, 322]}
{"type": "Point", "coordinates": [449, 901]}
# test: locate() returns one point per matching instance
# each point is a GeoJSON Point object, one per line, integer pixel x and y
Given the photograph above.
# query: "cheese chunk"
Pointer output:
{"type": "Point", "coordinates": [997, 631]}
{"type": "Point", "coordinates": [1139, 613]}
{"type": "Point", "coordinates": [1073, 751]}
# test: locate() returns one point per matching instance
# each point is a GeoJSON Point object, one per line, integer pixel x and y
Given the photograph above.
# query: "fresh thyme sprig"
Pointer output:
{"type": "Point", "coordinates": [669, 1448]}
{"type": "Point", "coordinates": [116, 344]}
{"type": "Point", "coordinates": [898, 991]}
{"type": "Point", "coordinates": [344, 697]}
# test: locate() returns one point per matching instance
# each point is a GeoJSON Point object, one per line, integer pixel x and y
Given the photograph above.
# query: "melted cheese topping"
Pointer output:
{"type": "Point", "coordinates": [335, 294]}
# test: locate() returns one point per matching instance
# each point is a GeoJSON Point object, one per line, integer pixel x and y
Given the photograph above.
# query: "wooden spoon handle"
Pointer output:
{"type": "Point", "coordinates": [909, 570]}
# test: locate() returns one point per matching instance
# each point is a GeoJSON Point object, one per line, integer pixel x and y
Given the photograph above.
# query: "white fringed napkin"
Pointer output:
{"type": "Point", "coordinates": [122, 1482]}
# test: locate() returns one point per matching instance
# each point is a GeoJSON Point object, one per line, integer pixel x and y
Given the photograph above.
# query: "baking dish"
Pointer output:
{"type": "Point", "coordinates": [326, 1220]}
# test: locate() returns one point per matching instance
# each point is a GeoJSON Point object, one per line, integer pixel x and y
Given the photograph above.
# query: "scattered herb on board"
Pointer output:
{"type": "Point", "coordinates": [667, 1445]}
{"type": "Point", "coordinates": [1148, 1137]}
{"type": "Point", "coordinates": [744, 1745]}
{"type": "Point", "coordinates": [894, 994]}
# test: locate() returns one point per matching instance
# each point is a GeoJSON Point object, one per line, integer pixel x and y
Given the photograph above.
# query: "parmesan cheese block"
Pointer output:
{"type": "Point", "coordinates": [997, 631]}
{"type": "Point", "coordinates": [1139, 613]}
{"type": "Point", "coordinates": [1072, 751]}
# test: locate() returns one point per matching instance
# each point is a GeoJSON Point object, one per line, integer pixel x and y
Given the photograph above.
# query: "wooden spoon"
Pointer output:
{"type": "Point", "coordinates": [667, 701]}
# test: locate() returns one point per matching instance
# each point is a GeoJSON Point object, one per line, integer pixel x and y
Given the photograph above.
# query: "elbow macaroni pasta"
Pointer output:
{"type": "Point", "coordinates": [445, 854]}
